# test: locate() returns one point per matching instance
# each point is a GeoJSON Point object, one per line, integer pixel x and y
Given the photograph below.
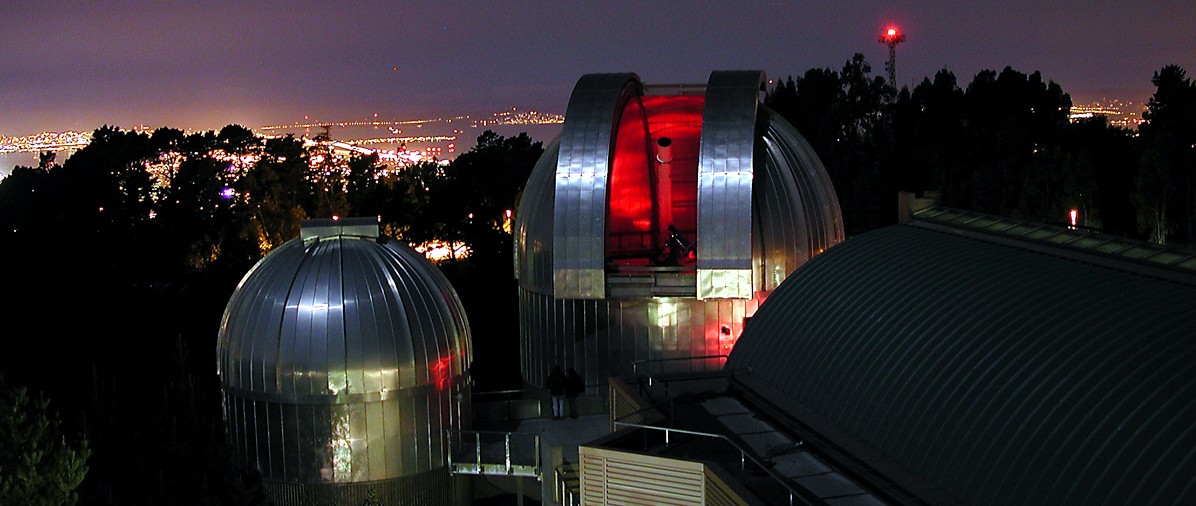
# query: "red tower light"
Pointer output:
{"type": "Point", "coordinates": [891, 37]}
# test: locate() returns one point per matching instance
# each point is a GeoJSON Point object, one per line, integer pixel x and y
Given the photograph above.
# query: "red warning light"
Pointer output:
{"type": "Point", "coordinates": [892, 36]}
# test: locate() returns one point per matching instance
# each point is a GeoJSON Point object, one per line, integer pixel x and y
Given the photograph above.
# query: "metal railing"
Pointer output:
{"type": "Point", "coordinates": [506, 405]}
{"type": "Point", "coordinates": [745, 455]}
{"type": "Point", "coordinates": [652, 379]}
{"type": "Point", "coordinates": [565, 494]}
{"type": "Point", "coordinates": [635, 364]}
{"type": "Point", "coordinates": [494, 453]}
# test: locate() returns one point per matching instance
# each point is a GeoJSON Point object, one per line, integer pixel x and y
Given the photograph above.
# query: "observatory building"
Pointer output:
{"type": "Point", "coordinates": [342, 358]}
{"type": "Point", "coordinates": [657, 222]}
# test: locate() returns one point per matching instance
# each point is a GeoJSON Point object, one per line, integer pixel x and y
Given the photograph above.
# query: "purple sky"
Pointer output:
{"type": "Point", "coordinates": [202, 65]}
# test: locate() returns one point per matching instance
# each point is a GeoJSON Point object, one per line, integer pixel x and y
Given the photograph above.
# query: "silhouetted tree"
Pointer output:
{"type": "Point", "coordinates": [842, 116]}
{"type": "Point", "coordinates": [37, 465]}
{"type": "Point", "coordinates": [364, 186]}
{"type": "Point", "coordinates": [481, 187]}
{"type": "Point", "coordinates": [276, 193]}
{"type": "Point", "coordinates": [1165, 193]}
{"type": "Point", "coordinates": [928, 134]}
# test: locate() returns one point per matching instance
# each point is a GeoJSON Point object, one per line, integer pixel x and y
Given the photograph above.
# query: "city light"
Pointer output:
{"type": "Point", "coordinates": [1118, 113]}
{"type": "Point", "coordinates": [45, 141]}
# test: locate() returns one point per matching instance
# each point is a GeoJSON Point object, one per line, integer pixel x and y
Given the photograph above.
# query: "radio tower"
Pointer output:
{"type": "Point", "coordinates": [891, 37]}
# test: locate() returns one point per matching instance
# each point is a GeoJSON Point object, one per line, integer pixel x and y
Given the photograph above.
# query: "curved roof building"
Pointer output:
{"type": "Point", "coordinates": [342, 357]}
{"type": "Point", "coordinates": [748, 200]}
{"type": "Point", "coordinates": [964, 358]}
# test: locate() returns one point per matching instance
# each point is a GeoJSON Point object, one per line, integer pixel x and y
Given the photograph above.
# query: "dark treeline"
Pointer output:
{"type": "Point", "coordinates": [1001, 145]}
{"type": "Point", "coordinates": [119, 260]}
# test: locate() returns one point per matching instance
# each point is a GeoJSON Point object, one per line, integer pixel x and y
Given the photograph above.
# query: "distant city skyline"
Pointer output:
{"type": "Point", "coordinates": [203, 65]}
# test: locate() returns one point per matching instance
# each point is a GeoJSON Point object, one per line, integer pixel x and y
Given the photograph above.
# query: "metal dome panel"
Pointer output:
{"type": "Point", "coordinates": [725, 173]}
{"type": "Point", "coordinates": [581, 176]}
{"type": "Point", "coordinates": [533, 255]}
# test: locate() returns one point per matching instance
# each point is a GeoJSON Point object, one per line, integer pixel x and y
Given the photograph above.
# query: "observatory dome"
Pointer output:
{"type": "Point", "coordinates": [654, 225]}
{"type": "Point", "coordinates": [343, 358]}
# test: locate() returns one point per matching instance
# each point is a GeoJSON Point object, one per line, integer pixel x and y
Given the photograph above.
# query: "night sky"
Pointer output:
{"type": "Point", "coordinates": [202, 65]}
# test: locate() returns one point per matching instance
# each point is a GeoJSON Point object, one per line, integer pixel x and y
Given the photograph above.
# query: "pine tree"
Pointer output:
{"type": "Point", "coordinates": [37, 465]}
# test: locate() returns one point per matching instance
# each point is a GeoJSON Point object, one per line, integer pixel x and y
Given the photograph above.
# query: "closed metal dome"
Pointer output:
{"type": "Point", "coordinates": [343, 360]}
{"type": "Point", "coordinates": [633, 165]}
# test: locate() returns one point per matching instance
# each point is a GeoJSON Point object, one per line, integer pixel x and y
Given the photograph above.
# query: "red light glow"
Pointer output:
{"type": "Point", "coordinates": [892, 36]}
{"type": "Point", "coordinates": [641, 209]}
{"type": "Point", "coordinates": [440, 372]}
{"type": "Point", "coordinates": [722, 334]}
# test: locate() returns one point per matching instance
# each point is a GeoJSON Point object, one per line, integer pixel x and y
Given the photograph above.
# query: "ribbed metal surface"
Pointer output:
{"type": "Point", "coordinates": [534, 224]}
{"type": "Point", "coordinates": [602, 338]}
{"type": "Point", "coordinates": [343, 359]}
{"type": "Point", "coordinates": [582, 171]}
{"type": "Point", "coordinates": [799, 213]}
{"type": "Point", "coordinates": [1003, 375]}
{"type": "Point", "coordinates": [725, 167]}
{"type": "Point", "coordinates": [342, 442]}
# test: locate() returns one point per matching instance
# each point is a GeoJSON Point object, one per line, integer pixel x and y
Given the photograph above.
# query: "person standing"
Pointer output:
{"type": "Point", "coordinates": [557, 384]}
{"type": "Point", "coordinates": [574, 386]}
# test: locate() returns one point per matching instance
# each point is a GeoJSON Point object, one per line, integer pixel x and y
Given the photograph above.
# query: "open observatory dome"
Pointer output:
{"type": "Point", "coordinates": [655, 224]}
{"type": "Point", "coordinates": [343, 359]}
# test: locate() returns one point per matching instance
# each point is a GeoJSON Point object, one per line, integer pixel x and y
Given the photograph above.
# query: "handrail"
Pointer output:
{"type": "Point", "coordinates": [636, 363]}
{"type": "Point", "coordinates": [744, 455]}
{"type": "Point", "coordinates": [496, 393]}
{"type": "Point", "coordinates": [564, 494]}
{"type": "Point", "coordinates": [508, 465]}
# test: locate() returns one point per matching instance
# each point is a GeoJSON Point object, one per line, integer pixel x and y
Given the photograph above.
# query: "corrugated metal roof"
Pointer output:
{"type": "Point", "coordinates": [1003, 374]}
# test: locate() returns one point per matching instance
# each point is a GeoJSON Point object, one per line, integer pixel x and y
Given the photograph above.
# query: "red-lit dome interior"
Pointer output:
{"type": "Point", "coordinates": [646, 194]}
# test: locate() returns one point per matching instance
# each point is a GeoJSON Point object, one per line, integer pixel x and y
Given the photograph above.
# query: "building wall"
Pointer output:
{"type": "Point", "coordinates": [602, 338]}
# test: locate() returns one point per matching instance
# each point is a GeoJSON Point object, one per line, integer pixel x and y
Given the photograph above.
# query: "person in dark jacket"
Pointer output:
{"type": "Point", "coordinates": [557, 383]}
{"type": "Point", "coordinates": [574, 386]}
